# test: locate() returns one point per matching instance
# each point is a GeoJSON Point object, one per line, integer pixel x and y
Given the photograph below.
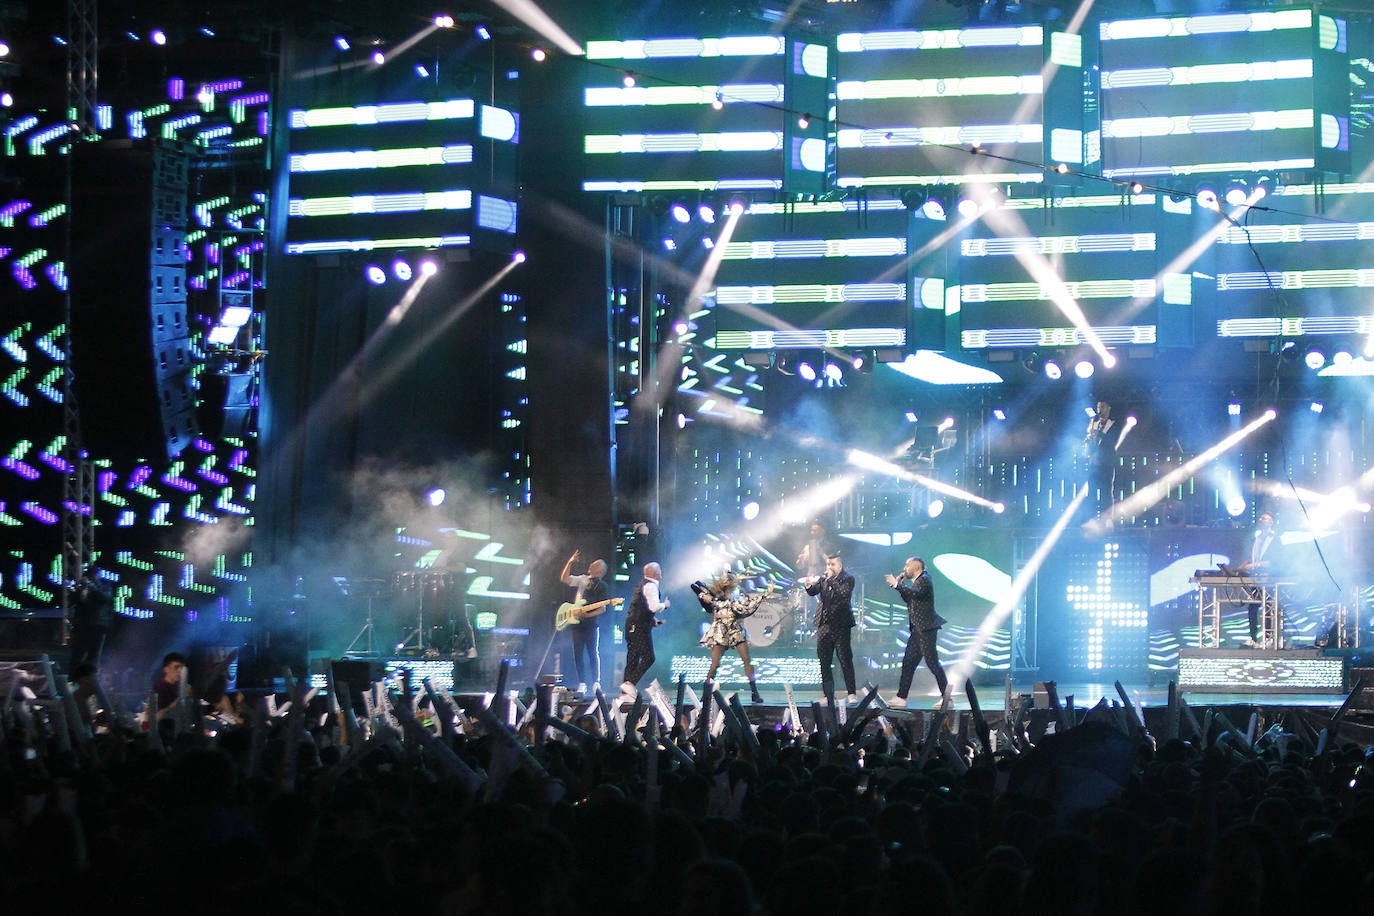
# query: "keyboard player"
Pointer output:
{"type": "Point", "coordinates": [1264, 554]}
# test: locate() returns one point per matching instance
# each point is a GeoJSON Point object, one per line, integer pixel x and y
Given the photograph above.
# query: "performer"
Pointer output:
{"type": "Point", "coordinates": [1101, 454]}
{"type": "Point", "coordinates": [834, 620]}
{"type": "Point", "coordinates": [640, 621]}
{"type": "Point", "coordinates": [811, 560]}
{"type": "Point", "coordinates": [915, 587]}
{"type": "Point", "coordinates": [810, 564]}
{"type": "Point", "coordinates": [1264, 550]}
{"type": "Point", "coordinates": [586, 635]}
{"type": "Point", "coordinates": [725, 631]}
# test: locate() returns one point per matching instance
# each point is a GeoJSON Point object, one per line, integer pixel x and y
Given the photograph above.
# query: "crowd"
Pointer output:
{"type": "Point", "coordinates": [421, 807]}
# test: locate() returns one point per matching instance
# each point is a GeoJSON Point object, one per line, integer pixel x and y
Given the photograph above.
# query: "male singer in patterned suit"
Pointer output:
{"type": "Point", "coordinates": [834, 620]}
{"type": "Point", "coordinates": [915, 587]}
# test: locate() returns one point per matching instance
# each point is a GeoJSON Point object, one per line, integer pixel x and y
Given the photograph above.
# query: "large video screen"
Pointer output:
{"type": "Point", "coordinates": [914, 107]}
{"type": "Point", "coordinates": [733, 113]}
{"type": "Point", "coordinates": [1023, 268]}
{"type": "Point", "coordinates": [1224, 93]}
{"type": "Point", "coordinates": [395, 175]}
{"type": "Point", "coordinates": [1297, 265]}
{"type": "Point", "coordinates": [815, 275]}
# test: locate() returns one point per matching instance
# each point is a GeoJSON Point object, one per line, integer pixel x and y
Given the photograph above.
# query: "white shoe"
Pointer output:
{"type": "Point", "coordinates": [897, 702]}
{"type": "Point", "coordinates": [582, 688]}
{"type": "Point", "coordinates": [825, 701]}
{"type": "Point", "coordinates": [1251, 644]}
{"type": "Point", "coordinates": [628, 690]}
{"type": "Point", "coordinates": [852, 698]}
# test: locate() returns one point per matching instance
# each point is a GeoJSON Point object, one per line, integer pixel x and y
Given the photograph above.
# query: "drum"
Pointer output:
{"type": "Point", "coordinates": [764, 626]}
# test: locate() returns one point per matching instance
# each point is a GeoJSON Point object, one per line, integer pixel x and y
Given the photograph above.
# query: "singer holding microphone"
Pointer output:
{"type": "Point", "coordinates": [919, 594]}
{"type": "Point", "coordinates": [834, 620]}
{"type": "Point", "coordinates": [1101, 455]}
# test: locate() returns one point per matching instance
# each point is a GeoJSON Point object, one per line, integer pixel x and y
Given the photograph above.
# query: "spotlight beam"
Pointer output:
{"type": "Point", "coordinates": [1149, 495]}
{"type": "Point", "coordinates": [531, 15]}
{"type": "Point", "coordinates": [962, 667]}
{"type": "Point", "coordinates": [870, 462]}
{"type": "Point", "coordinates": [1052, 286]}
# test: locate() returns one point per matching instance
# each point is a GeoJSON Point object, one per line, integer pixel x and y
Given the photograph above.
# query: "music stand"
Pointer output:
{"type": "Point", "coordinates": [369, 628]}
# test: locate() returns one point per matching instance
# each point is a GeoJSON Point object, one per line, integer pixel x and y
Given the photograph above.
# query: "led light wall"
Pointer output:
{"type": "Point", "coordinates": [406, 174]}
{"type": "Point", "coordinates": [725, 113]}
{"type": "Point", "coordinates": [815, 275]}
{"type": "Point", "coordinates": [916, 107]}
{"type": "Point", "coordinates": [1267, 89]}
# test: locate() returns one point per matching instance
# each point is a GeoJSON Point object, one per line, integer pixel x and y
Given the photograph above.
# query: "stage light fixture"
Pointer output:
{"type": "Point", "coordinates": [1053, 371]}
{"type": "Point", "coordinates": [806, 372]}
{"type": "Point", "coordinates": [4, 49]}
{"type": "Point", "coordinates": [680, 328]}
{"type": "Point", "coordinates": [1341, 358]}
{"type": "Point", "coordinates": [682, 420]}
{"type": "Point", "coordinates": [933, 209]}
{"type": "Point", "coordinates": [1235, 506]}
{"type": "Point", "coordinates": [158, 37]}
{"type": "Point", "coordinates": [1207, 198]}
{"type": "Point", "coordinates": [1033, 363]}
{"type": "Point", "coordinates": [429, 267]}
{"type": "Point", "coordinates": [718, 102]}
{"type": "Point", "coordinates": [6, 100]}
{"type": "Point", "coordinates": [707, 242]}
{"type": "Point", "coordinates": [706, 213]}
{"type": "Point", "coordinates": [629, 79]}
{"type": "Point", "coordinates": [680, 213]}
{"type": "Point", "coordinates": [518, 257]}
{"type": "Point", "coordinates": [1314, 358]}
{"type": "Point", "coordinates": [804, 122]}
{"type": "Point", "coordinates": [444, 21]}
{"type": "Point", "coordinates": [436, 497]}
{"type": "Point", "coordinates": [378, 58]}
{"type": "Point", "coordinates": [1084, 368]}
{"type": "Point", "coordinates": [735, 207]}
{"type": "Point", "coordinates": [375, 275]}
{"type": "Point", "coordinates": [833, 373]}
{"type": "Point", "coordinates": [967, 206]}
{"type": "Point", "coordinates": [670, 244]}
{"type": "Point", "coordinates": [400, 269]}
{"type": "Point", "coordinates": [1137, 188]}
{"type": "Point", "coordinates": [1233, 409]}
{"type": "Point", "coordinates": [342, 43]}
{"type": "Point", "coordinates": [1237, 193]}
{"type": "Point", "coordinates": [749, 510]}
{"type": "Point", "coordinates": [998, 413]}
{"type": "Point", "coordinates": [913, 199]}
{"type": "Point", "coordinates": [483, 33]}
{"type": "Point", "coordinates": [935, 507]}
{"type": "Point", "coordinates": [539, 55]}
{"type": "Point", "coordinates": [1316, 407]}
{"type": "Point", "coordinates": [784, 365]}
{"type": "Point", "coordinates": [911, 416]}
{"type": "Point", "coordinates": [422, 71]}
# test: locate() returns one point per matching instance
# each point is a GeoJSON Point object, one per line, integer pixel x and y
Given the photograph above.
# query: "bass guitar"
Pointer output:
{"type": "Point", "coordinates": [570, 614]}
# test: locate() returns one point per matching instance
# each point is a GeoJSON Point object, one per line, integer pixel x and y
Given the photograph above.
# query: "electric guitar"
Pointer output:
{"type": "Point", "coordinates": [570, 614]}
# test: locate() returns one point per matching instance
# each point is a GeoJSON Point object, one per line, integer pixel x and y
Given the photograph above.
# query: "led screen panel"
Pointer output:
{"type": "Point", "coordinates": [727, 113]}
{"type": "Point", "coordinates": [814, 275]}
{"type": "Point", "coordinates": [1297, 265]}
{"type": "Point", "coordinates": [395, 175]}
{"type": "Point", "coordinates": [911, 105]}
{"type": "Point", "coordinates": [1024, 270]}
{"type": "Point", "coordinates": [1224, 93]}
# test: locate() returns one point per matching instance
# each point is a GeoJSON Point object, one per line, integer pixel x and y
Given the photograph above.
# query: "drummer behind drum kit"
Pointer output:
{"type": "Point", "coordinates": [424, 597]}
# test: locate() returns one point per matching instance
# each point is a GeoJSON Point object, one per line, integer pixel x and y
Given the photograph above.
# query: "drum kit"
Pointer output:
{"type": "Point", "coordinates": [422, 599]}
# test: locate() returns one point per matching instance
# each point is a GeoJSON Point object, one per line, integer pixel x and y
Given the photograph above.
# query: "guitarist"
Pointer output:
{"type": "Point", "coordinates": [640, 621]}
{"type": "Point", "coordinates": [586, 636]}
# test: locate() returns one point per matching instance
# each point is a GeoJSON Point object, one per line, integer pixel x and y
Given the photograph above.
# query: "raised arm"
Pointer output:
{"type": "Point", "coordinates": [566, 575]}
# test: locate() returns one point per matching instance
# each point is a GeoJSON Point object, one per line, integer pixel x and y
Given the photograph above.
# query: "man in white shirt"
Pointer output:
{"type": "Point", "coordinates": [640, 621]}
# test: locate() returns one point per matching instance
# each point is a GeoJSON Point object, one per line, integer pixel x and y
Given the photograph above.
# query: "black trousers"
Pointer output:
{"type": "Point", "coordinates": [586, 647]}
{"type": "Point", "coordinates": [922, 646]}
{"type": "Point", "coordinates": [639, 651]}
{"type": "Point", "coordinates": [828, 640]}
